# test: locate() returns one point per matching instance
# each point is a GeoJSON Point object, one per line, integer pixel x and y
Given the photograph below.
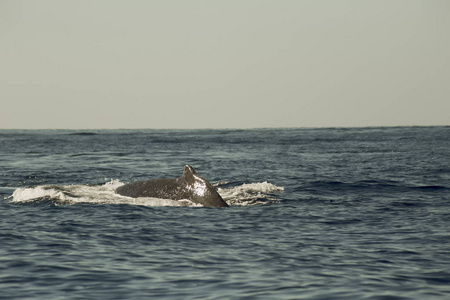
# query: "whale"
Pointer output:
{"type": "Point", "coordinates": [189, 186]}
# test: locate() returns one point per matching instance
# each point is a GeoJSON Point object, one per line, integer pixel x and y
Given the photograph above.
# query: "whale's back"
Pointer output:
{"type": "Point", "coordinates": [189, 186]}
{"type": "Point", "coordinates": [165, 188]}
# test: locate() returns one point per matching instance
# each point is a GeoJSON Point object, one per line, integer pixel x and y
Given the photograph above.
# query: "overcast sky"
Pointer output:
{"type": "Point", "coordinates": [224, 64]}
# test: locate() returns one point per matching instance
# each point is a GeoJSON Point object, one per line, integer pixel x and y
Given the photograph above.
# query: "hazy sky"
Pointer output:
{"type": "Point", "coordinates": [224, 64]}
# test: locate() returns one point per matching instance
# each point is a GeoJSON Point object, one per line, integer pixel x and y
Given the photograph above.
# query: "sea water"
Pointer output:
{"type": "Point", "coordinates": [332, 213]}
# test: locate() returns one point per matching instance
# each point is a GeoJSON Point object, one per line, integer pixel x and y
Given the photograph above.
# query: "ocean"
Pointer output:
{"type": "Point", "coordinates": [326, 213]}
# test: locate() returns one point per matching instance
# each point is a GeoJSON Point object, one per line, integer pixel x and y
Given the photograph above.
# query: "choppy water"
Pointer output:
{"type": "Point", "coordinates": [356, 213]}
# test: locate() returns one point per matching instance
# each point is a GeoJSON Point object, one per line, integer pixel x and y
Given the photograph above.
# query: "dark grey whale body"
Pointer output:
{"type": "Point", "coordinates": [189, 186]}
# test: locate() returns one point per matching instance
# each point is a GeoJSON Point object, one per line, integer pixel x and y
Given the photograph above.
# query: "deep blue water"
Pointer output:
{"type": "Point", "coordinates": [349, 213]}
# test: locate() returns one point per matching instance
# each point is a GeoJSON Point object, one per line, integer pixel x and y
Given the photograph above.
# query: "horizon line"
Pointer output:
{"type": "Point", "coordinates": [229, 128]}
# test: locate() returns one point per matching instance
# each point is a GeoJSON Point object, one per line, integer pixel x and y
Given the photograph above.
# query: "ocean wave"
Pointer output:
{"type": "Point", "coordinates": [367, 185]}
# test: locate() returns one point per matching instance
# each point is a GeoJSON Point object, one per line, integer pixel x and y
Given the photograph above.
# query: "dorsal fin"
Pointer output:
{"type": "Point", "coordinates": [189, 169]}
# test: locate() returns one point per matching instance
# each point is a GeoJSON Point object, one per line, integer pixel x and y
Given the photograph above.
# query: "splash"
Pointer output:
{"type": "Point", "coordinates": [252, 193]}
{"type": "Point", "coordinates": [245, 194]}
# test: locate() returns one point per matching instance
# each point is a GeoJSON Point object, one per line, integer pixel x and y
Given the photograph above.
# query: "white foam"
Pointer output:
{"type": "Point", "coordinates": [251, 193]}
{"type": "Point", "coordinates": [30, 194]}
